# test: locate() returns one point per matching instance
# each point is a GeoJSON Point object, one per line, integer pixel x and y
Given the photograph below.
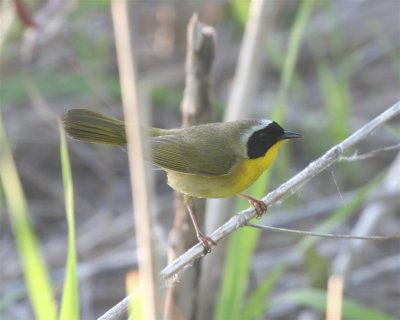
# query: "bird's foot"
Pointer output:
{"type": "Point", "coordinates": [206, 242]}
{"type": "Point", "coordinates": [258, 205]}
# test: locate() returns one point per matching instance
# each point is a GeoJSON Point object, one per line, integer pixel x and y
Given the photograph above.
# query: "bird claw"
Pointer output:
{"type": "Point", "coordinates": [258, 205]}
{"type": "Point", "coordinates": [206, 242]}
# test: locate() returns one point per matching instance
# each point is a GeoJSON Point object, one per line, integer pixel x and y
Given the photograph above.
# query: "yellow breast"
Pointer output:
{"type": "Point", "coordinates": [242, 175]}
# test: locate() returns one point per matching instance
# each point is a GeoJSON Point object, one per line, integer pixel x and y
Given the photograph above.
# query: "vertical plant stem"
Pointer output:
{"type": "Point", "coordinates": [251, 57]}
{"type": "Point", "coordinates": [136, 151]}
{"type": "Point", "coordinates": [334, 298]}
{"type": "Point", "coordinates": [182, 299]}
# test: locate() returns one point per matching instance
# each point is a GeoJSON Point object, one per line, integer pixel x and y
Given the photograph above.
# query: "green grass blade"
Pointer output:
{"type": "Point", "coordinates": [70, 298]}
{"type": "Point", "coordinates": [33, 265]}
{"type": "Point", "coordinates": [276, 58]}
{"type": "Point", "coordinates": [136, 308]}
{"type": "Point", "coordinates": [317, 268]}
{"type": "Point", "coordinates": [237, 268]}
{"type": "Point", "coordinates": [316, 299]}
{"type": "Point", "coordinates": [288, 72]}
{"type": "Point", "coordinates": [135, 291]}
{"type": "Point", "coordinates": [337, 102]}
{"type": "Point", "coordinates": [256, 306]}
{"type": "Point", "coordinates": [296, 35]}
{"type": "Point", "coordinates": [241, 247]}
{"type": "Point", "coordinates": [2, 201]}
{"type": "Point", "coordinates": [240, 10]}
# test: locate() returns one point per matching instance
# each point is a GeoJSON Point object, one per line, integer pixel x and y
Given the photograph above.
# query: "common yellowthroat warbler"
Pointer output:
{"type": "Point", "coordinates": [213, 160]}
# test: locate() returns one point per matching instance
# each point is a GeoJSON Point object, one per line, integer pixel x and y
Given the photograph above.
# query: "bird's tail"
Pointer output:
{"type": "Point", "coordinates": [90, 126]}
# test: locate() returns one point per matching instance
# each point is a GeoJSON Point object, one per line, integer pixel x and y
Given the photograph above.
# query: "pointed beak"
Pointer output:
{"type": "Point", "coordinates": [290, 135]}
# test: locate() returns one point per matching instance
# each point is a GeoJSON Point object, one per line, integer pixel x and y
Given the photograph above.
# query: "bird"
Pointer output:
{"type": "Point", "coordinates": [212, 160]}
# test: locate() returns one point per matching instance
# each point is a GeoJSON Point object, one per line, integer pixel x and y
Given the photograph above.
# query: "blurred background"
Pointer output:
{"type": "Point", "coordinates": [346, 72]}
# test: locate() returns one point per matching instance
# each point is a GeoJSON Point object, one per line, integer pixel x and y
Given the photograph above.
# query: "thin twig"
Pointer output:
{"type": "Point", "coordinates": [365, 156]}
{"type": "Point", "coordinates": [324, 235]}
{"type": "Point", "coordinates": [289, 187]}
{"type": "Point", "coordinates": [118, 311]}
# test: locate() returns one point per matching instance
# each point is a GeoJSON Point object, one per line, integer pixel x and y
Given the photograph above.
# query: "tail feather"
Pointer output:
{"type": "Point", "coordinates": [90, 126]}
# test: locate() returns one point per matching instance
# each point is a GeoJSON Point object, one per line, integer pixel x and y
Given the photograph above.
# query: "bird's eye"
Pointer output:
{"type": "Point", "coordinates": [263, 135]}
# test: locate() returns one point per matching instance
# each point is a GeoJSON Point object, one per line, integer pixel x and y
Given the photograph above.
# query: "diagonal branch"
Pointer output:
{"type": "Point", "coordinates": [289, 187]}
{"type": "Point", "coordinates": [241, 219]}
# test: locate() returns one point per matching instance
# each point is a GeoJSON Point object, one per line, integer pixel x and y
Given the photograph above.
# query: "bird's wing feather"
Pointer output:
{"type": "Point", "coordinates": [206, 157]}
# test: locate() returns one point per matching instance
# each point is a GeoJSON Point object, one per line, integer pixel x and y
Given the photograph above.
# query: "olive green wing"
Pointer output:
{"type": "Point", "coordinates": [207, 157]}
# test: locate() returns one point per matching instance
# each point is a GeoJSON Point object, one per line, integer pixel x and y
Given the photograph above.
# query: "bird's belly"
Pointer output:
{"type": "Point", "coordinates": [204, 186]}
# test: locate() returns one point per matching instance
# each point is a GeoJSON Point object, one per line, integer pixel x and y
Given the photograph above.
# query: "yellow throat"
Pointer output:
{"type": "Point", "coordinates": [250, 169]}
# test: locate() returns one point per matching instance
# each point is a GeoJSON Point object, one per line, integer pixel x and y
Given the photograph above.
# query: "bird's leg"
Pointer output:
{"type": "Point", "coordinates": [258, 205]}
{"type": "Point", "coordinates": [207, 242]}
